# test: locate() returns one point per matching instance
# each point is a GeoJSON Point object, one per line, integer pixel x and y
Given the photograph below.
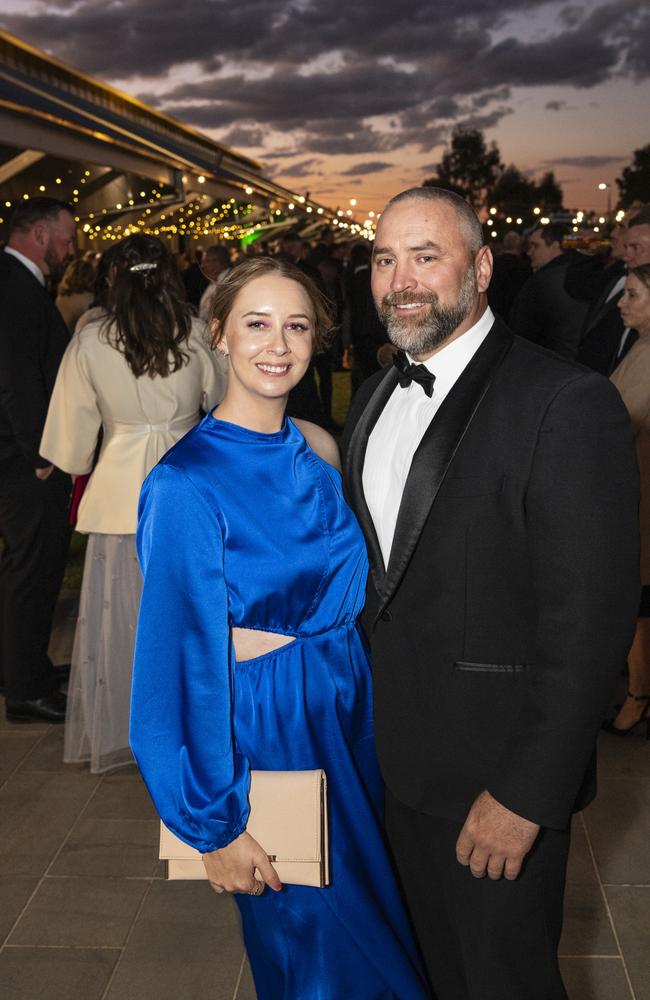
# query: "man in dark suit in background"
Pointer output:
{"type": "Point", "coordinates": [605, 340]}
{"type": "Point", "coordinates": [497, 489]}
{"type": "Point", "coordinates": [34, 496]}
{"type": "Point", "coordinates": [543, 311]}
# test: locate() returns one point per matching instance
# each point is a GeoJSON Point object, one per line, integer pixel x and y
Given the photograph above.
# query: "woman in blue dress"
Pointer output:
{"type": "Point", "coordinates": [248, 656]}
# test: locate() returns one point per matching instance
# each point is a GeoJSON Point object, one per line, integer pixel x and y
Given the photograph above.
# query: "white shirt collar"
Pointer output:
{"type": "Point", "coordinates": [29, 264]}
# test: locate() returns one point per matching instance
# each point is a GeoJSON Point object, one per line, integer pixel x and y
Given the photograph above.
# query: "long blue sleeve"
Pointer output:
{"type": "Point", "coordinates": [181, 711]}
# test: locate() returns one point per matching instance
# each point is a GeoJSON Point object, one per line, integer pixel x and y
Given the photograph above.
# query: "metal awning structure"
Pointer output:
{"type": "Point", "coordinates": [125, 166]}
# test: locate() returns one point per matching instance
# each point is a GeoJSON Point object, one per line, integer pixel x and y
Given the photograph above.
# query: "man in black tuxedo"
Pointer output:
{"type": "Point", "coordinates": [497, 489]}
{"type": "Point", "coordinates": [543, 311]}
{"type": "Point", "coordinates": [34, 496]}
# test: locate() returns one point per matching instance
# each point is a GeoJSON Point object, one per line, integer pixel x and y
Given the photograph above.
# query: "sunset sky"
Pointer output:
{"type": "Point", "coordinates": [358, 99]}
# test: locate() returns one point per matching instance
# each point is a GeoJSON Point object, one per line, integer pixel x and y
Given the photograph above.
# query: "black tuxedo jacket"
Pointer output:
{"type": "Point", "coordinates": [603, 329]}
{"type": "Point", "coordinates": [33, 338]}
{"type": "Point", "coordinates": [511, 594]}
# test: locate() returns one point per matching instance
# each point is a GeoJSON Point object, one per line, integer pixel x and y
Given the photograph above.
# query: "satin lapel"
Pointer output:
{"type": "Point", "coordinates": [354, 467]}
{"type": "Point", "coordinates": [436, 450]}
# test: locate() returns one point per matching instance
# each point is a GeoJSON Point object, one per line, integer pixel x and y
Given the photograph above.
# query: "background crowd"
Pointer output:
{"type": "Point", "coordinates": [87, 389]}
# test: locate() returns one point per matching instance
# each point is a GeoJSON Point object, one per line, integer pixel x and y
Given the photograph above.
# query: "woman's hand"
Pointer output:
{"type": "Point", "coordinates": [232, 868]}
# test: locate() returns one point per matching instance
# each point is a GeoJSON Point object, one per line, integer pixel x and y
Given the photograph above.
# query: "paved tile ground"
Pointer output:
{"type": "Point", "coordinates": [86, 915]}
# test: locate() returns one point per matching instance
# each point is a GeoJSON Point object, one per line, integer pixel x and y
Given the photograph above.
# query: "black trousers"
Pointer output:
{"type": "Point", "coordinates": [481, 940]}
{"type": "Point", "coordinates": [36, 534]}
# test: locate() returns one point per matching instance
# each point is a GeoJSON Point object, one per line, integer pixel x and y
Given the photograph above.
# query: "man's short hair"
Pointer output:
{"type": "Point", "coordinates": [642, 217]}
{"type": "Point", "coordinates": [27, 213]}
{"type": "Point", "coordinates": [512, 241]}
{"type": "Point", "coordinates": [467, 217]}
{"type": "Point", "coordinates": [217, 253]}
{"type": "Point", "coordinates": [554, 232]}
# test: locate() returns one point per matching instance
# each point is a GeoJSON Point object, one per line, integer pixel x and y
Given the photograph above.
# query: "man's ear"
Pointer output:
{"type": "Point", "coordinates": [483, 265]}
{"type": "Point", "coordinates": [41, 234]}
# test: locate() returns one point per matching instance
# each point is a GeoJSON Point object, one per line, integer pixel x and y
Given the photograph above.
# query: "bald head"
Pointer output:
{"type": "Point", "coordinates": [468, 220]}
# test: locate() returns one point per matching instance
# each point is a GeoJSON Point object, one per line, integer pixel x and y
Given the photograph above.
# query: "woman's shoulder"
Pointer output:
{"type": "Point", "coordinates": [320, 441]}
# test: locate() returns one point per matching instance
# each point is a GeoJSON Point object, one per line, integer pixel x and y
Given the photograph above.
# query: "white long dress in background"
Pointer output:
{"type": "Point", "coordinates": [141, 419]}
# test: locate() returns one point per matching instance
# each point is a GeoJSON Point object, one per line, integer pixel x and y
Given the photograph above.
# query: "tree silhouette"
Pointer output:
{"type": "Point", "coordinates": [469, 167]}
{"type": "Point", "coordinates": [634, 185]}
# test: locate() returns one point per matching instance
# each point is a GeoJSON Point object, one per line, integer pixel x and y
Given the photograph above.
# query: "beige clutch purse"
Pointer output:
{"type": "Point", "coordinates": [288, 818]}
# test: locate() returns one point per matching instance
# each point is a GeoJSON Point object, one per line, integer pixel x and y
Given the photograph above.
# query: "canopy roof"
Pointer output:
{"type": "Point", "coordinates": [123, 164]}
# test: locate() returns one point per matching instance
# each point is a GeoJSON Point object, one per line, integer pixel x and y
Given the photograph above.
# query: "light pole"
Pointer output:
{"type": "Point", "coordinates": [607, 187]}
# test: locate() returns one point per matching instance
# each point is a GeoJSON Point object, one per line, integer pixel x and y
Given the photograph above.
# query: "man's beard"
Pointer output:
{"type": "Point", "coordinates": [55, 266]}
{"type": "Point", "coordinates": [422, 334]}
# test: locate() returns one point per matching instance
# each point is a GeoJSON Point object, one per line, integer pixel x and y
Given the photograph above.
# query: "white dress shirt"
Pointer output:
{"type": "Point", "coordinates": [402, 424]}
{"type": "Point", "coordinates": [29, 264]}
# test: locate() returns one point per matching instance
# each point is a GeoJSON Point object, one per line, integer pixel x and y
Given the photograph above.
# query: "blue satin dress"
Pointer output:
{"type": "Point", "coordinates": [243, 529]}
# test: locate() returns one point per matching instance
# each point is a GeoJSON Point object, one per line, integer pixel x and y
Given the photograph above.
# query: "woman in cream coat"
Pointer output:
{"type": "Point", "coordinates": [632, 379]}
{"type": "Point", "coordinates": [141, 376]}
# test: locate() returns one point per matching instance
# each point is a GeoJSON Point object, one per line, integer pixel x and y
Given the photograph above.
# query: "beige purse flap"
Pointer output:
{"type": "Point", "coordinates": [288, 818]}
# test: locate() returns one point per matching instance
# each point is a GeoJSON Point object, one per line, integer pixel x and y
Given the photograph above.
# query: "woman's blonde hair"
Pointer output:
{"type": "Point", "coordinates": [258, 267]}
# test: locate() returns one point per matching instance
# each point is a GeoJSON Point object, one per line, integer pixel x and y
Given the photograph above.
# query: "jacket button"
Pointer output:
{"type": "Point", "coordinates": [386, 616]}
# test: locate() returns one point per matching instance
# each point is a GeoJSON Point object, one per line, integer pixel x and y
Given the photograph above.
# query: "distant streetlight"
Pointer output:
{"type": "Point", "coordinates": [607, 187]}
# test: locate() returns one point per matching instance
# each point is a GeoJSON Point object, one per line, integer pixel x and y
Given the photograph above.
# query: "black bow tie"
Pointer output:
{"type": "Point", "coordinates": [413, 373]}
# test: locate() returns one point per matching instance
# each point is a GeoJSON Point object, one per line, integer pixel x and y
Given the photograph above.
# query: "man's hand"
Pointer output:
{"type": "Point", "coordinates": [44, 473]}
{"type": "Point", "coordinates": [494, 840]}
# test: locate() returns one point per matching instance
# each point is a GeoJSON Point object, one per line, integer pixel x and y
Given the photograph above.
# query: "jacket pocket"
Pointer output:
{"type": "Point", "coordinates": [493, 668]}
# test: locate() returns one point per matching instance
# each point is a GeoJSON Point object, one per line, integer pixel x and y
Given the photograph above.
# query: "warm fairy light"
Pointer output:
{"type": "Point", "coordinates": [248, 190]}
{"type": "Point", "coordinates": [493, 211]}
{"type": "Point", "coordinates": [537, 211]}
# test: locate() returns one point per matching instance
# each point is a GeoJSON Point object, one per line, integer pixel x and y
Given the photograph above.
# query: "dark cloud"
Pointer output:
{"type": "Point", "coordinates": [583, 161]}
{"type": "Point", "coordinates": [367, 167]}
{"type": "Point", "coordinates": [323, 78]}
{"type": "Point", "coordinates": [245, 136]}
{"type": "Point", "coordinates": [306, 168]}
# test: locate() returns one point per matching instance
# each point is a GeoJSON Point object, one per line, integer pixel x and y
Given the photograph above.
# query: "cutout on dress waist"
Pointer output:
{"type": "Point", "coordinates": [250, 643]}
